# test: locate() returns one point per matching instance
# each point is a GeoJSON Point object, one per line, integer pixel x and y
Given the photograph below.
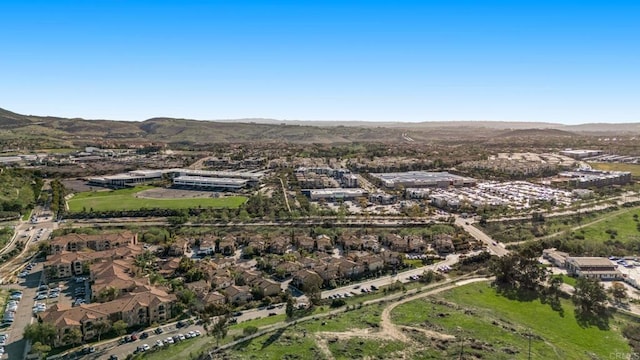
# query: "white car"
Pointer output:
{"type": "Point", "coordinates": [168, 340]}
{"type": "Point", "coordinates": [159, 343]}
{"type": "Point", "coordinates": [41, 297]}
{"type": "Point", "coordinates": [197, 332]}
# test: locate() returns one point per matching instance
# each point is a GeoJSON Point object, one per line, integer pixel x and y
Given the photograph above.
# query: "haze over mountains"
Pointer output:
{"type": "Point", "coordinates": [171, 130]}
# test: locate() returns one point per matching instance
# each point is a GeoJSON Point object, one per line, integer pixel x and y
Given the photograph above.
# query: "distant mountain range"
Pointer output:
{"type": "Point", "coordinates": [64, 131]}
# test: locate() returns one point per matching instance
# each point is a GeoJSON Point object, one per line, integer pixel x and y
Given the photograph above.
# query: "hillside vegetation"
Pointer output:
{"type": "Point", "coordinates": [50, 132]}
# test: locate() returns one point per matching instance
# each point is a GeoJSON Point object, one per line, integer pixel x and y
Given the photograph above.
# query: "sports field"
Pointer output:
{"type": "Point", "coordinates": [634, 169]}
{"type": "Point", "coordinates": [125, 199]}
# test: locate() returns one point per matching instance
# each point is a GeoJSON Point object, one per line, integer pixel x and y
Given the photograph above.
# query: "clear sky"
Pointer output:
{"type": "Point", "coordinates": [520, 60]}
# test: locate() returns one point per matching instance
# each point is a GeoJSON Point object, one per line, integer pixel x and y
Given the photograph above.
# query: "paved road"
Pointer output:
{"type": "Point", "coordinates": [494, 246]}
{"type": "Point", "coordinates": [121, 351]}
{"type": "Point", "coordinates": [387, 280]}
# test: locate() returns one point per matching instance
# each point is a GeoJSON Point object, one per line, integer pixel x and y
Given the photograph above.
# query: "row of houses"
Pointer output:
{"type": "Point", "coordinates": [311, 273]}
{"type": "Point", "coordinates": [227, 245]}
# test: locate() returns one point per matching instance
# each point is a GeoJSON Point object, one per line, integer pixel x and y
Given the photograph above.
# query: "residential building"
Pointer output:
{"type": "Point", "coordinates": [306, 280]}
{"type": "Point", "coordinates": [238, 294]}
{"type": "Point", "coordinates": [99, 242]}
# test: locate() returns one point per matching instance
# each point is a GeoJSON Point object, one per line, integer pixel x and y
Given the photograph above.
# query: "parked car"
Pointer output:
{"type": "Point", "coordinates": [181, 324]}
{"type": "Point", "coordinates": [144, 335]}
{"type": "Point", "coordinates": [158, 331]}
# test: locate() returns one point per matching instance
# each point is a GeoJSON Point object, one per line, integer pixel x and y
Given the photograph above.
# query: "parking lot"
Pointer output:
{"type": "Point", "coordinates": [23, 315]}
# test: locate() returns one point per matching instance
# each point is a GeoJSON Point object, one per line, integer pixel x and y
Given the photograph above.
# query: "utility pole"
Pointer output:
{"type": "Point", "coordinates": [529, 345]}
{"type": "Point", "coordinates": [461, 348]}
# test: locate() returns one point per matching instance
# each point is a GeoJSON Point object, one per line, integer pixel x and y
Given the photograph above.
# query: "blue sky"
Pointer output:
{"type": "Point", "coordinates": [554, 61]}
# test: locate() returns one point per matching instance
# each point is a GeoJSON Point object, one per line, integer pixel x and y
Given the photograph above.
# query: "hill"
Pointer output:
{"type": "Point", "coordinates": [46, 131]}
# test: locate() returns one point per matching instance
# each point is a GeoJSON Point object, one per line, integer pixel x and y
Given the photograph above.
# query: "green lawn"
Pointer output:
{"type": "Point", "coordinates": [567, 279]}
{"type": "Point", "coordinates": [265, 321]}
{"type": "Point", "coordinates": [124, 199]}
{"type": "Point", "coordinates": [634, 169]}
{"type": "Point", "coordinates": [486, 317]}
{"type": "Point", "coordinates": [622, 227]}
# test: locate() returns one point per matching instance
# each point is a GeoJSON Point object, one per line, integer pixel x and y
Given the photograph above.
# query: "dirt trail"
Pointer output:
{"type": "Point", "coordinates": [388, 330]}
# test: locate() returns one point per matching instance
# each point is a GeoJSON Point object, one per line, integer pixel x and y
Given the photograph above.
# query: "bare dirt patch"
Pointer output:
{"type": "Point", "coordinates": [79, 185]}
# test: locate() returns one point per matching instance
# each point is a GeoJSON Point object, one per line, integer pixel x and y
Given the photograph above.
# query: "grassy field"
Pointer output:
{"type": "Point", "coordinates": [124, 199]}
{"type": "Point", "coordinates": [6, 233]}
{"type": "Point", "coordinates": [283, 344]}
{"type": "Point", "coordinates": [622, 227]}
{"type": "Point", "coordinates": [567, 279]}
{"type": "Point", "coordinates": [634, 169]}
{"type": "Point", "coordinates": [356, 348]}
{"type": "Point", "coordinates": [498, 327]}
{"type": "Point", "coordinates": [182, 350]}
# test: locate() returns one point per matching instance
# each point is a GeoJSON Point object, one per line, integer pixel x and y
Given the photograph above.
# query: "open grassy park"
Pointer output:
{"type": "Point", "coordinates": [125, 199]}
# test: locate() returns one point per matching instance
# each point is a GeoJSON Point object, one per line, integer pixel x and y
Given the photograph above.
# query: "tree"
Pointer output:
{"type": "Point", "coordinates": [120, 327]}
{"type": "Point", "coordinates": [518, 272]}
{"type": "Point", "coordinates": [589, 297]}
{"type": "Point", "coordinates": [290, 309]}
{"type": "Point", "coordinates": [618, 291]}
{"type": "Point", "coordinates": [101, 327]}
{"type": "Point", "coordinates": [108, 294]}
{"type": "Point", "coordinates": [40, 348]}
{"type": "Point", "coordinates": [73, 336]}
{"type": "Point", "coordinates": [44, 333]}
{"type": "Point", "coordinates": [220, 328]}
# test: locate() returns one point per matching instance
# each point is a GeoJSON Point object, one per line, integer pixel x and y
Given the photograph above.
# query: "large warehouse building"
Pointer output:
{"type": "Point", "coordinates": [334, 194]}
{"type": "Point", "coordinates": [209, 183]}
{"type": "Point", "coordinates": [186, 178]}
{"type": "Point", "coordinates": [418, 179]}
